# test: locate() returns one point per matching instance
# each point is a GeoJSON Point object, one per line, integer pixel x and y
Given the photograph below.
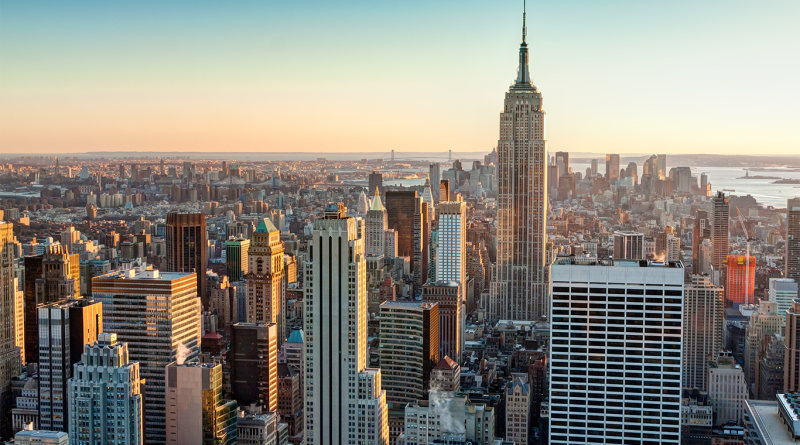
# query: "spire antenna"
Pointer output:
{"type": "Point", "coordinates": [524, 29]}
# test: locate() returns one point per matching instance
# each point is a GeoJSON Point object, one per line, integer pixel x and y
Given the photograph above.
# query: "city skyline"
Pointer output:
{"type": "Point", "coordinates": [621, 77]}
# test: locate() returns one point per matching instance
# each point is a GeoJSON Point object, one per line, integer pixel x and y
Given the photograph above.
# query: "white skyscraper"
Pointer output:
{"type": "Point", "coordinates": [105, 395]}
{"type": "Point", "coordinates": [451, 264]}
{"type": "Point", "coordinates": [377, 225]}
{"type": "Point", "coordinates": [615, 368]}
{"type": "Point", "coordinates": [518, 290]}
{"type": "Point", "coordinates": [336, 336]}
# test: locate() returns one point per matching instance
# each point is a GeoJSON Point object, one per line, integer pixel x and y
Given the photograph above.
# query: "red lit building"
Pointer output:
{"type": "Point", "coordinates": [739, 286]}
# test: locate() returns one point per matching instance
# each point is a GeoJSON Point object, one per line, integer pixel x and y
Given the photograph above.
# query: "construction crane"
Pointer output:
{"type": "Point", "coordinates": [747, 258]}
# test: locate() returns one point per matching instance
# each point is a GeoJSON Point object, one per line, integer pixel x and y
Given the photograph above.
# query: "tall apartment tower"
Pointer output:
{"type": "Point", "coordinates": [336, 331]}
{"type": "Point", "coordinates": [237, 264]}
{"type": "Point", "coordinates": [51, 277]}
{"type": "Point", "coordinates": [719, 231]}
{"type": "Point", "coordinates": [266, 289]}
{"type": "Point", "coordinates": [612, 168]}
{"type": "Point", "coordinates": [793, 239]}
{"type": "Point", "coordinates": [451, 250]}
{"type": "Point", "coordinates": [80, 321]}
{"type": "Point", "coordinates": [158, 315]}
{"type": "Point", "coordinates": [764, 321]}
{"type": "Point", "coordinates": [409, 348]}
{"type": "Point", "coordinates": [377, 225]}
{"type": "Point", "coordinates": [701, 232]}
{"type": "Point", "coordinates": [634, 347]}
{"type": "Point", "coordinates": [187, 241]}
{"type": "Point", "coordinates": [518, 290]}
{"type": "Point", "coordinates": [106, 390]}
{"type": "Point", "coordinates": [703, 305]}
{"type": "Point", "coordinates": [11, 329]}
{"type": "Point", "coordinates": [791, 368]}
{"type": "Point", "coordinates": [253, 362]}
{"type": "Point", "coordinates": [196, 413]}
{"type": "Point", "coordinates": [628, 245]}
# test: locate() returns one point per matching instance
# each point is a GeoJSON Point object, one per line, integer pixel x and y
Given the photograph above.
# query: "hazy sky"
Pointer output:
{"type": "Point", "coordinates": [680, 76]}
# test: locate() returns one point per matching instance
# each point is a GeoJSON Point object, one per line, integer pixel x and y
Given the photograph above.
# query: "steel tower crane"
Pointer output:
{"type": "Point", "coordinates": [747, 258]}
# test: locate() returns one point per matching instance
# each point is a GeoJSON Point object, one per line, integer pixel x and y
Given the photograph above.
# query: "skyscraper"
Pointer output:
{"type": "Point", "coordinates": [451, 250]}
{"type": "Point", "coordinates": [702, 329]}
{"type": "Point", "coordinates": [375, 183]}
{"type": "Point", "coordinates": [236, 261]}
{"type": "Point", "coordinates": [562, 161]}
{"type": "Point", "coordinates": [783, 291]}
{"type": "Point", "coordinates": [612, 168]}
{"type": "Point", "coordinates": [519, 282]}
{"type": "Point", "coordinates": [376, 227]}
{"type": "Point", "coordinates": [266, 289]}
{"type": "Point", "coordinates": [196, 413]}
{"type": "Point", "coordinates": [435, 177]}
{"type": "Point", "coordinates": [401, 206]}
{"type": "Point", "coordinates": [105, 395]}
{"type": "Point", "coordinates": [254, 364]}
{"type": "Point", "coordinates": [793, 239]}
{"type": "Point", "coordinates": [336, 333]}
{"type": "Point", "coordinates": [186, 247]}
{"type": "Point", "coordinates": [11, 330]}
{"type": "Point", "coordinates": [719, 231]}
{"type": "Point", "coordinates": [409, 348]}
{"type": "Point", "coordinates": [740, 279]}
{"type": "Point", "coordinates": [158, 315]}
{"type": "Point", "coordinates": [54, 276]}
{"type": "Point", "coordinates": [452, 316]}
{"type": "Point", "coordinates": [791, 368]}
{"type": "Point", "coordinates": [80, 321]}
{"type": "Point", "coordinates": [661, 166]}
{"type": "Point", "coordinates": [634, 375]}
{"type": "Point", "coordinates": [701, 232]}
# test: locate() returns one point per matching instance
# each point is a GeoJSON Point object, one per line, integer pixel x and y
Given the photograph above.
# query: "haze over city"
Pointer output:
{"type": "Point", "coordinates": [621, 76]}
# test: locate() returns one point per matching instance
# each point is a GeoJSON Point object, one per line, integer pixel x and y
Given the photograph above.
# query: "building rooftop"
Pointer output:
{"type": "Point", "coordinates": [583, 261]}
{"type": "Point", "coordinates": [767, 421]}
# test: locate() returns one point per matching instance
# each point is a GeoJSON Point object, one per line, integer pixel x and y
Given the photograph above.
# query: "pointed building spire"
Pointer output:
{"type": "Point", "coordinates": [523, 75]}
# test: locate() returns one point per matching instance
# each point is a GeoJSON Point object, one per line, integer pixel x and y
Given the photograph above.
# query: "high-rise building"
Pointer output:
{"type": "Point", "coordinates": [290, 398]}
{"type": "Point", "coordinates": [237, 264]}
{"type": "Point", "coordinates": [253, 362]}
{"type": "Point", "coordinates": [791, 380]}
{"type": "Point", "coordinates": [105, 395]}
{"type": "Point", "coordinates": [373, 415]}
{"type": "Point", "coordinates": [518, 290]}
{"type": "Point", "coordinates": [446, 376]}
{"type": "Point", "coordinates": [793, 239]}
{"type": "Point", "coordinates": [719, 232]}
{"type": "Point", "coordinates": [421, 239]}
{"type": "Point", "coordinates": [703, 306]}
{"type": "Point", "coordinates": [764, 321]}
{"type": "Point", "coordinates": [435, 176]}
{"type": "Point", "coordinates": [401, 206]}
{"type": "Point", "coordinates": [628, 245]}
{"type": "Point", "coordinates": [612, 168]}
{"type": "Point", "coordinates": [80, 321]}
{"type": "Point", "coordinates": [196, 413]}
{"type": "Point", "coordinates": [641, 298]}
{"type": "Point", "coordinates": [518, 411]}
{"type": "Point", "coordinates": [701, 232]}
{"type": "Point", "coordinates": [594, 168]}
{"type": "Point", "coordinates": [158, 315]}
{"type": "Point", "coordinates": [51, 277]}
{"type": "Point", "coordinates": [661, 167]}
{"type": "Point", "coordinates": [11, 330]}
{"type": "Point", "coordinates": [409, 348]}
{"type": "Point", "coordinates": [91, 269]}
{"type": "Point", "coordinates": [727, 389]}
{"type": "Point", "coordinates": [266, 287]}
{"type": "Point", "coordinates": [771, 371]}
{"type": "Point", "coordinates": [377, 225]}
{"type": "Point", "coordinates": [187, 241]}
{"type": "Point", "coordinates": [783, 291]}
{"type": "Point", "coordinates": [451, 250]}
{"type": "Point", "coordinates": [375, 183]}
{"type": "Point", "coordinates": [336, 333]}
{"type": "Point", "coordinates": [562, 161]}
{"type": "Point", "coordinates": [740, 279]}
{"type": "Point", "coordinates": [452, 316]}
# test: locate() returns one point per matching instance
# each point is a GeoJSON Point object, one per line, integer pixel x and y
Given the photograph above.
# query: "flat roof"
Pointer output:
{"type": "Point", "coordinates": [769, 423]}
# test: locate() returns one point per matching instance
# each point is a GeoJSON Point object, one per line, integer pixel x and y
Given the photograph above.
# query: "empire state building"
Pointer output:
{"type": "Point", "coordinates": [518, 290]}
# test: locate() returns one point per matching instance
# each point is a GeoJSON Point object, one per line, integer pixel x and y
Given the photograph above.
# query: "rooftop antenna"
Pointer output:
{"type": "Point", "coordinates": [524, 29]}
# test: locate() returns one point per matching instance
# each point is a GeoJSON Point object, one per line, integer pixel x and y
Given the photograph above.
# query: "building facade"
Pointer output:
{"type": "Point", "coordinates": [266, 287]}
{"type": "Point", "coordinates": [702, 329]}
{"type": "Point", "coordinates": [187, 248]}
{"type": "Point", "coordinates": [638, 296]}
{"type": "Point", "coordinates": [253, 362]}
